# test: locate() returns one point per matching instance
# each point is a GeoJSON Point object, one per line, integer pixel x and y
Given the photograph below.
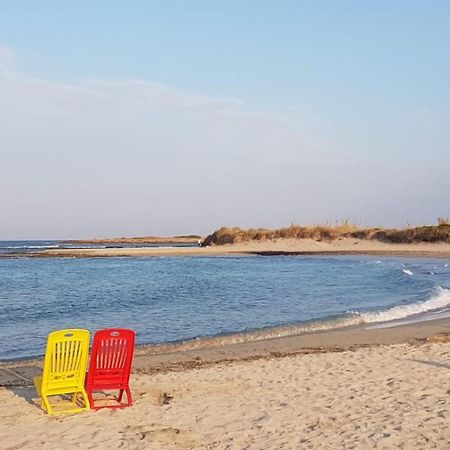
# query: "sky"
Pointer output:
{"type": "Point", "coordinates": [173, 117]}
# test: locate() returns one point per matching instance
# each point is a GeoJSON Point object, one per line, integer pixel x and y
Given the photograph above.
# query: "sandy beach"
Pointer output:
{"type": "Point", "coordinates": [354, 388]}
{"type": "Point", "coordinates": [238, 211]}
{"type": "Point", "coordinates": [360, 387]}
{"type": "Point", "coordinates": [281, 246]}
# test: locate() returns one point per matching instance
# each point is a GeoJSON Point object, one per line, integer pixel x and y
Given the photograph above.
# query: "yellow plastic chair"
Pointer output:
{"type": "Point", "coordinates": [64, 372]}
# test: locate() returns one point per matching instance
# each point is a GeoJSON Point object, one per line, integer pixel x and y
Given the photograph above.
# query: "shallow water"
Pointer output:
{"type": "Point", "coordinates": [177, 298]}
{"type": "Point", "coordinates": [21, 248]}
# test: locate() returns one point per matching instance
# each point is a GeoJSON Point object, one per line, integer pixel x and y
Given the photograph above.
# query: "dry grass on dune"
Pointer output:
{"type": "Point", "coordinates": [430, 233]}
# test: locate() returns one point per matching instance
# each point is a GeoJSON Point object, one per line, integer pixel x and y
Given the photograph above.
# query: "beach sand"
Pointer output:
{"type": "Point", "coordinates": [345, 389]}
{"type": "Point", "coordinates": [281, 246]}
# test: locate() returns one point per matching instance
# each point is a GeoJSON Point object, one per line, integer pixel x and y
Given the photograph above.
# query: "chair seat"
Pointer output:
{"type": "Point", "coordinates": [106, 384]}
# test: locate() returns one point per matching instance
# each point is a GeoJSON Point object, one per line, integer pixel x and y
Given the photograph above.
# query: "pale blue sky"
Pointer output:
{"type": "Point", "coordinates": [125, 118]}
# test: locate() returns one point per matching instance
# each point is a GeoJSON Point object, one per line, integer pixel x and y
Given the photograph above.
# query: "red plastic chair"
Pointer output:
{"type": "Point", "coordinates": [110, 365]}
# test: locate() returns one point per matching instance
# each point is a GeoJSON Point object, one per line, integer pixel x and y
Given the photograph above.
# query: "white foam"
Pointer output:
{"type": "Point", "coordinates": [407, 272]}
{"type": "Point", "coordinates": [30, 246]}
{"type": "Point", "coordinates": [390, 317]}
{"type": "Point", "coordinates": [440, 300]}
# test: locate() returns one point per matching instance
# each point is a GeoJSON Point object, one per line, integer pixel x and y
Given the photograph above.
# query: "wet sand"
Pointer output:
{"type": "Point", "coordinates": [248, 346]}
{"type": "Point", "coordinates": [204, 352]}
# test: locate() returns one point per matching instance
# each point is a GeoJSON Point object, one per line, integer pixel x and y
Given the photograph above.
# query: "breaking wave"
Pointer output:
{"type": "Point", "coordinates": [351, 319]}
{"type": "Point", "coordinates": [17, 247]}
{"type": "Point", "coordinates": [438, 301]}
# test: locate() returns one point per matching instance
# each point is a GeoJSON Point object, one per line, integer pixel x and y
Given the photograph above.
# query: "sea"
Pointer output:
{"type": "Point", "coordinates": [231, 298]}
{"type": "Point", "coordinates": [21, 248]}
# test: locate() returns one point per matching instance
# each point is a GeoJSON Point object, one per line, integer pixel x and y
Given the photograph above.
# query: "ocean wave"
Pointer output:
{"type": "Point", "coordinates": [351, 319]}
{"type": "Point", "coordinates": [18, 247]}
{"type": "Point", "coordinates": [407, 272]}
{"type": "Point", "coordinates": [84, 246]}
{"type": "Point", "coordinates": [438, 301]}
{"type": "Point", "coordinates": [258, 335]}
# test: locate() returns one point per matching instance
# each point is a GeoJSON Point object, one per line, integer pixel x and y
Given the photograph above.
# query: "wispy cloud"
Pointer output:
{"type": "Point", "coordinates": [115, 157]}
{"type": "Point", "coordinates": [6, 54]}
{"type": "Point", "coordinates": [131, 156]}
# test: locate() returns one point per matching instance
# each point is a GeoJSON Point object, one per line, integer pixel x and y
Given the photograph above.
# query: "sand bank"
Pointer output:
{"type": "Point", "coordinates": [285, 393]}
{"type": "Point", "coordinates": [190, 239]}
{"type": "Point", "coordinates": [282, 246]}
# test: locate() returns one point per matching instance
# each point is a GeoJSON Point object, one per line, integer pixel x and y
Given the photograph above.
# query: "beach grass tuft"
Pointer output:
{"type": "Point", "coordinates": [327, 232]}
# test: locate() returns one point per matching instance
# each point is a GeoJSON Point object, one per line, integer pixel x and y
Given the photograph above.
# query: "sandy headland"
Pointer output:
{"type": "Point", "coordinates": [355, 388]}
{"type": "Point", "coordinates": [343, 246]}
{"type": "Point", "coordinates": [184, 239]}
{"type": "Point", "coordinates": [345, 238]}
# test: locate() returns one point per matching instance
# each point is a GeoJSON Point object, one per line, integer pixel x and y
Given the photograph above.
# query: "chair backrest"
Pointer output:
{"type": "Point", "coordinates": [111, 357]}
{"type": "Point", "coordinates": [66, 359]}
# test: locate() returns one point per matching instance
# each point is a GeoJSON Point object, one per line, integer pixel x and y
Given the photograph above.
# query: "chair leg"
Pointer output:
{"type": "Point", "coordinates": [120, 399]}
{"type": "Point", "coordinates": [130, 400]}
{"type": "Point", "coordinates": [46, 404]}
{"type": "Point", "coordinates": [38, 386]}
{"type": "Point", "coordinates": [91, 399]}
{"type": "Point", "coordinates": [87, 399]}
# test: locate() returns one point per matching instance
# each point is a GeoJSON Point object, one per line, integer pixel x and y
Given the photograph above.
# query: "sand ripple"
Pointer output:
{"type": "Point", "coordinates": [380, 397]}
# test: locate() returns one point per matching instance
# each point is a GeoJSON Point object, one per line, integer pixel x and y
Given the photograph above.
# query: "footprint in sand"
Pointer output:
{"type": "Point", "coordinates": [172, 437]}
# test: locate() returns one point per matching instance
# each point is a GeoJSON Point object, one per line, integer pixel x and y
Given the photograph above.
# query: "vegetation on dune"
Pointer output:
{"type": "Point", "coordinates": [430, 233]}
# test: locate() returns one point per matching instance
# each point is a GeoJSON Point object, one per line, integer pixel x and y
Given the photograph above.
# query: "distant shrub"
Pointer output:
{"type": "Point", "coordinates": [221, 236]}
{"type": "Point", "coordinates": [436, 233]}
{"type": "Point", "coordinates": [440, 233]}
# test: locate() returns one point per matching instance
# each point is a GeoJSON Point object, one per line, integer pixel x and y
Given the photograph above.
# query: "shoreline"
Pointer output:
{"type": "Point", "coordinates": [164, 356]}
{"type": "Point", "coordinates": [302, 247]}
{"type": "Point", "coordinates": [181, 356]}
{"type": "Point", "coordinates": [207, 351]}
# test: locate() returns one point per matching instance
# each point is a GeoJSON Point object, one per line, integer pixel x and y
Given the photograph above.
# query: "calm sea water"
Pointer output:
{"type": "Point", "coordinates": [24, 247]}
{"type": "Point", "coordinates": [177, 298]}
